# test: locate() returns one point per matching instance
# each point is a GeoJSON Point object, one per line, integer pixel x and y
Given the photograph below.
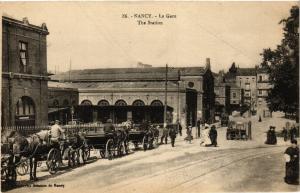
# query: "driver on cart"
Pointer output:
{"type": "Point", "coordinates": [57, 135]}
{"type": "Point", "coordinates": [108, 127]}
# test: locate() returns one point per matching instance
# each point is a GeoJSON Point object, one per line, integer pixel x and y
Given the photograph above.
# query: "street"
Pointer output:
{"type": "Point", "coordinates": [246, 166]}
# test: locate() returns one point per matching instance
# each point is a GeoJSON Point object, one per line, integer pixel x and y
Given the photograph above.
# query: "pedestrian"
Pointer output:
{"type": "Point", "coordinates": [179, 128]}
{"type": "Point", "coordinates": [213, 134]}
{"type": "Point", "coordinates": [291, 155]}
{"type": "Point", "coordinates": [189, 136]}
{"type": "Point", "coordinates": [204, 136]}
{"type": "Point", "coordinates": [198, 128]}
{"type": "Point", "coordinates": [271, 136]}
{"type": "Point", "coordinates": [249, 130]}
{"type": "Point", "coordinates": [165, 135]}
{"type": "Point", "coordinates": [285, 134]}
{"type": "Point", "coordinates": [172, 134]}
{"type": "Point", "coordinates": [293, 132]}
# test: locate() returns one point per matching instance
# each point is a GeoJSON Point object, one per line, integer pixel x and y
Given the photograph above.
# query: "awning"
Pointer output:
{"type": "Point", "coordinates": [128, 107]}
{"type": "Point", "coordinates": [53, 110]}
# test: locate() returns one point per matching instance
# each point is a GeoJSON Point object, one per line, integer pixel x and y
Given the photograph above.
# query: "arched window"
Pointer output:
{"type": "Point", "coordinates": [25, 106]}
{"type": "Point", "coordinates": [156, 103]}
{"type": "Point", "coordinates": [55, 103]}
{"type": "Point", "coordinates": [120, 103]}
{"type": "Point", "coordinates": [138, 103]}
{"type": "Point", "coordinates": [103, 103]}
{"type": "Point", "coordinates": [86, 102]}
{"type": "Point", "coordinates": [65, 103]}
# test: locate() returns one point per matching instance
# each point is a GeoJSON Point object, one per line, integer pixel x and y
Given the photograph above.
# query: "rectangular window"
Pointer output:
{"type": "Point", "coordinates": [23, 47]}
{"type": "Point", "coordinates": [260, 78]}
{"type": "Point", "coordinates": [234, 95]}
{"type": "Point", "coordinates": [260, 92]}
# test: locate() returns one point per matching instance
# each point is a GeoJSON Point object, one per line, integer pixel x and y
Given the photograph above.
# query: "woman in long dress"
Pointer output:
{"type": "Point", "coordinates": [204, 136]}
{"type": "Point", "coordinates": [291, 155]}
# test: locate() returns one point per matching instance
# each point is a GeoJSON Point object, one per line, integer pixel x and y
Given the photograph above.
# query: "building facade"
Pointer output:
{"type": "Point", "coordinates": [249, 87]}
{"type": "Point", "coordinates": [222, 94]}
{"type": "Point", "coordinates": [62, 99]}
{"type": "Point", "coordinates": [263, 89]}
{"type": "Point", "coordinates": [139, 94]}
{"type": "Point", "coordinates": [24, 73]}
{"type": "Point", "coordinates": [246, 80]}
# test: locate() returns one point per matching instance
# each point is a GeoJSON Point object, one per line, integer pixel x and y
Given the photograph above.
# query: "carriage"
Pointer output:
{"type": "Point", "coordinates": [236, 130]}
{"type": "Point", "coordinates": [145, 137]}
{"type": "Point", "coordinates": [110, 144]}
{"type": "Point", "coordinates": [8, 169]}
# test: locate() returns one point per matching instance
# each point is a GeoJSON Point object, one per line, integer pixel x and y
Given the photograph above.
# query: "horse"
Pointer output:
{"type": "Point", "coordinates": [29, 147]}
{"type": "Point", "coordinates": [121, 137]}
{"type": "Point", "coordinates": [77, 142]}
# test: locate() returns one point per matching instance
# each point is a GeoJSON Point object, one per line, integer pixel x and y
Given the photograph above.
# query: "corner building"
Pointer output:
{"type": "Point", "coordinates": [24, 73]}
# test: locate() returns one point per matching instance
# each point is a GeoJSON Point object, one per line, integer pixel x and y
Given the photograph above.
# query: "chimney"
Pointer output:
{"type": "Point", "coordinates": [25, 21]}
{"type": "Point", "coordinates": [207, 63]}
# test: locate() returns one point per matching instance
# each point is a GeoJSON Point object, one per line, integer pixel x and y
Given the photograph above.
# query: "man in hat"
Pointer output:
{"type": "Point", "coordinates": [165, 134]}
{"type": "Point", "coordinates": [213, 134]}
{"type": "Point", "coordinates": [108, 127]}
{"type": "Point", "coordinates": [291, 155]}
{"type": "Point", "coordinates": [172, 134]}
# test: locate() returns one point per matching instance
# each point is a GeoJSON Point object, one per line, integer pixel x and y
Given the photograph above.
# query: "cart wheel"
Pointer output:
{"type": "Point", "coordinates": [145, 143]}
{"type": "Point", "coordinates": [53, 160]}
{"type": "Point", "coordinates": [23, 167]}
{"type": "Point", "coordinates": [109, 150]}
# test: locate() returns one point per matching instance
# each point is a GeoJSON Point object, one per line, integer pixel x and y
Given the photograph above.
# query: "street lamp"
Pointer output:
{"type": "Point", "coordinates": [166, 95]}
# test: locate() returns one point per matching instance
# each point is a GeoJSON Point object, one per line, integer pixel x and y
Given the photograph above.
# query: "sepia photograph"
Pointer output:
{"type": "Point", "coordinates": [149, 96]}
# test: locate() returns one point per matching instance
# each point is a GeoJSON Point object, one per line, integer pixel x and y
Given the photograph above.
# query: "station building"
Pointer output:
{"type": "Point", "coordinates": [139, 94]}
{"type": "Point", "coordinates": [24, 73]}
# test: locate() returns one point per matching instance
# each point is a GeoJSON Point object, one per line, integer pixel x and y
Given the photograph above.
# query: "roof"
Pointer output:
{"type": "Point", "coordinates": [122, 85]}
{"type": "Point", "coordinates": [60, 85]}
{"type": "Point", "coordinates": [25, 24]}
{"type": "Point", "coordinates": [128, 74]}
{"type": "Point", "coordinates": [246, 72]}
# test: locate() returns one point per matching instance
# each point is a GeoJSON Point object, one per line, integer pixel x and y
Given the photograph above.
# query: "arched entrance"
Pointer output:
{"type": "Point", "coordinates": [157, 113]}
{"type": "Point", "coordinates": [86, 111]}
{"type": "Point", "coordinates": [25, 112]}
{"type": "Point", "coordinates": [121, 111]}
{"type": "Point", "coordinates": [103, 111]}
{"type": "Point", "coordinates": [138, 112]}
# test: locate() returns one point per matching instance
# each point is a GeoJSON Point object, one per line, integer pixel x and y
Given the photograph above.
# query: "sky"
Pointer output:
{"type": "Point", "coordinates": [87, 35]}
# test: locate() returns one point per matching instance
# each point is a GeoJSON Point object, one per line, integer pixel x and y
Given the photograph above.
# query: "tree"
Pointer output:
{"type": "Point", "coordinates": [233, 68]}
{"type": "Point", "coordinates": [283, 67]}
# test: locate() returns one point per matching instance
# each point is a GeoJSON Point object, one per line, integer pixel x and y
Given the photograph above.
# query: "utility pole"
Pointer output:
{"type": "Point", "coordinates": [166, 95]}
{"type": "Point", "coordinates": [178, 92]}
{"type": "Point", "coordinates": [70, 70]}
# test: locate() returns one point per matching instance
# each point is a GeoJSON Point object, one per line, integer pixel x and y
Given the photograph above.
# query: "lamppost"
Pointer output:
{"type": "Point", "coordinates": [166, 95]}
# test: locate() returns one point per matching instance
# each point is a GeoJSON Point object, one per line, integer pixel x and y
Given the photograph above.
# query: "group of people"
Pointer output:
{"type": "Point", "coordinates": [291, 154]}
{"type": "Point", "coordinates": [208, 135]}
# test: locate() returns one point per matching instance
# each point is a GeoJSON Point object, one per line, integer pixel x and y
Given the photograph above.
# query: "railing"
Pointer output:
{"type": "Point", "coordinates": [71, 129]}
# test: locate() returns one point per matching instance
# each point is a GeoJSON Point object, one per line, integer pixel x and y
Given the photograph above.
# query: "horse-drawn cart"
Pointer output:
{"type": "Point", "coordinates": [147, 138]}
{"type": "Point", "coordinates": [110, 144]}
{"type": "Point", "coordinates": [237, 131]}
